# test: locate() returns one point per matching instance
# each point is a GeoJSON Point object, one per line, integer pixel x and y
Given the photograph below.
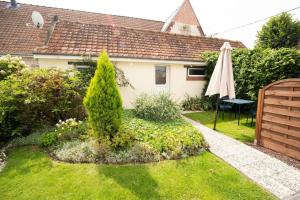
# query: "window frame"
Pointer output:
{"type": "Point", "coordinates": [155, 68]}
{"type": "Point", "coordinates": [191, 77]}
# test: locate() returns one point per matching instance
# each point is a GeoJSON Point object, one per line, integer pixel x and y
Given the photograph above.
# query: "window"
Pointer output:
{"type": "Point", "coordinates": [160, 75]}
{"type": "Point", "coordinates": [196, 71]}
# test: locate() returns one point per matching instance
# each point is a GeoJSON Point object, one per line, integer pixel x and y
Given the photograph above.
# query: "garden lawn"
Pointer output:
{"type": "Point", "coordinates": [229, 126]}
{"type": "Point", "coordinates": [31, 174]}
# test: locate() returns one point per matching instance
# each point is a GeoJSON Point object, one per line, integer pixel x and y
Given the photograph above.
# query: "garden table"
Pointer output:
{"type": "Point", "coordinates": [239, 102]}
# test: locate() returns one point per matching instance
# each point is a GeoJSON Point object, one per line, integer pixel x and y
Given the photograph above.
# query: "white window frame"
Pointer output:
{"type": "Point", "coordinates": [195, 67]}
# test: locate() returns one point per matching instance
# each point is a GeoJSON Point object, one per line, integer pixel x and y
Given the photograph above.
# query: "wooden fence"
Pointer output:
{"type": "Point", "coordinates": [278, 117]}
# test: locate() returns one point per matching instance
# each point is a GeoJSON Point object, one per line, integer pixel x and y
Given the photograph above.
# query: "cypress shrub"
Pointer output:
{"type": "Point", "coordinates": [103, 101]}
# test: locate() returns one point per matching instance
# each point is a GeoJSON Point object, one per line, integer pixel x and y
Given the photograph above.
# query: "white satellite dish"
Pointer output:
{"type": "Point", "coordinates": [37, 19]}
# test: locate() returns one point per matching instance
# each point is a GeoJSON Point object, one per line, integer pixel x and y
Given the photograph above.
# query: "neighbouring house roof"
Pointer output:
{"type": "Point", "coordinates": [73, 38]}
{"type": "Point", "coordinates": [185, 14]}
{"type": "Point", "coordinates": [86, 33]}
{"type": "Point", "coordinates": [19, 36]}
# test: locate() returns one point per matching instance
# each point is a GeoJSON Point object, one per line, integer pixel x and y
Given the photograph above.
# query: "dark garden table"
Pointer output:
{"type": "Point", "coordinates": [239, 102]}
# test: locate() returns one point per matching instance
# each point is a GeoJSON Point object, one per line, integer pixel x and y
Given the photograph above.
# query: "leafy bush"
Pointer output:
{"type": "Point", "coordinates": [158, 107]}
{"type": "Point", "coordinates": [49, 139]}
{"type": "Point", "coordinates": [10, 65]}
{"type": "Point", "coordinates": [192, 103]}
{"type": "Point", "coordinates": [71, 129]}
{"type": "Point", "coordinates": [67, 130]}
{"type": "Point", "coordinates": [280, 31]}
{"type": "Point", "coordinates": [254, 69]}
{"type": "Point", "coordinates": [33, 98]}
{"type": "Point", "coordinates": [103, 101]}
{"type": "Point", "coordinates": [32, 139]}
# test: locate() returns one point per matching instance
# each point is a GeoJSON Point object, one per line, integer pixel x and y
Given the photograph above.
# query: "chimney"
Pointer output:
{"type": "Point", "coordinates": [13, 4]}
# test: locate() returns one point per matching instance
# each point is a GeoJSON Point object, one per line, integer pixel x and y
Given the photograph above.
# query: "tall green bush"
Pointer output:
{"type": "Point", "coordinates": [280, 31]}
{"type": "Point", "coordinates": [103, 101]}
{"type": "Point", "coordinates": [33, 98]}
{"type": "Point", "coordinates": [256, 68]}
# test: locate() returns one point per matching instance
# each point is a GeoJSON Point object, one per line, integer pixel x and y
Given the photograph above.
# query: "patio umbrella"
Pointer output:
{"type": "Point", "coordinates": [221, 81]}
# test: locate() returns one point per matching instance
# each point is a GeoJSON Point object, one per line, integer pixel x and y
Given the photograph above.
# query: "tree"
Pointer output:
{"type": "Point", "coordinates": [103, 101]}
{"type": "Point", "coordinates": [279, 31]}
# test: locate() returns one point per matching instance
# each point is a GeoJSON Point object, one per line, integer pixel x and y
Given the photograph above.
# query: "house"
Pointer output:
{"type": "Point", "coordinates": [154, 56]}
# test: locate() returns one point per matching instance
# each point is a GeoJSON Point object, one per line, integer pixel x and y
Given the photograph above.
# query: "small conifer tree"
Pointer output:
{"type": "Point", "coordinates": [103, 101]}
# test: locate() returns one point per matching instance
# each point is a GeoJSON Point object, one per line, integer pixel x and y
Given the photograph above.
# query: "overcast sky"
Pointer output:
{"type": "Point", "coordinates": [214, 15]}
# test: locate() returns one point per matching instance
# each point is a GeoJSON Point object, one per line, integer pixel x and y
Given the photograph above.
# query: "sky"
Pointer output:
{"type": "Point", "coordinates": [215, 16]}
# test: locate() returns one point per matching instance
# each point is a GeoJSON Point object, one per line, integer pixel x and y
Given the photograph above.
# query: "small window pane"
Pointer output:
{"type": "Point", "coordinates": [160, 75]}
{"type": "Point", "coordinates": [196, 72]}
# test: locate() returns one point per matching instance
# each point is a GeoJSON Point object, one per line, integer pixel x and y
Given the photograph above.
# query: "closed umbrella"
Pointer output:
{"type": "Point", "coordinates": [222, 81]}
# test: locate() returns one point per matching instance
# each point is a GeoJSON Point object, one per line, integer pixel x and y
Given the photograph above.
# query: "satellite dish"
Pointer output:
{"type": "Point", "coordinates": [37, 19]}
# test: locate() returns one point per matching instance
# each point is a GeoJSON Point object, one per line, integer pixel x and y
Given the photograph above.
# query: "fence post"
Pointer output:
{"type": "Point", "coordinates": [259, 113]}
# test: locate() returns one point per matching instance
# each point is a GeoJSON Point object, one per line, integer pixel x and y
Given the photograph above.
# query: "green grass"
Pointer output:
{"type": "Point", "coordinates": [31, 174]}
{"type": "Point", "coordinates": [229, 126]}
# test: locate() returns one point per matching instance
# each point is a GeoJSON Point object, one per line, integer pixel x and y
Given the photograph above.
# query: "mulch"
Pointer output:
{"type": "Point", "coordinates": [288, 160]}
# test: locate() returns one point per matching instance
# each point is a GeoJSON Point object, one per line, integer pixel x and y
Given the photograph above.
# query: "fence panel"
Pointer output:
{"type": "Point", "coordinates": [278, 117]}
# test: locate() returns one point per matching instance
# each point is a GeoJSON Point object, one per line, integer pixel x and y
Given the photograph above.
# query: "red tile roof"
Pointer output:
{"type": "Point", "coordinates": [72, 38]}
{"type": "Point", "coordinates": [79, 33]}
{"type": "Point", "coordinates": [18, 36]}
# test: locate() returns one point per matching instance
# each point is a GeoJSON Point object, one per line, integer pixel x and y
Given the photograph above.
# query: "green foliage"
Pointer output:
{"type": "Point", "coordinates": [172, 139]}
{"type": "Point", "coordinates": [254, 69]}
{"type": "Point", "coordinates": [71, 129]}
{"type": "Point", "coordinates": [88, 73]}
{"type": "Point", "coordinates": [10, 65]}
{"type": "Point", "coordinates": [103, 101]}
{"type": "Point", "coordinates": [158, 107]}
{"type": "Point", "coordinates": [76, 151]}
{"type": "Point", "coordinates": [37, 97]}
{"type": "Point", "coordinates": [192, 103]}
{"type": "Point", "coordinates": [279, 31]}
{"type": "Point", "coordinates": [49, 139]}
{"type": "Point", "coordinates": [67, 130]}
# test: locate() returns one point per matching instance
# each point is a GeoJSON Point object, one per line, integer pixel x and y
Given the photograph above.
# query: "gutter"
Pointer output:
{"type": "Point", "coordinates": [121, 59]}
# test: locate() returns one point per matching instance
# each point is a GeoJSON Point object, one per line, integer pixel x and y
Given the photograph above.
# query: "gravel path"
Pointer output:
{"type": "Point", "coordinates": [272, 174]}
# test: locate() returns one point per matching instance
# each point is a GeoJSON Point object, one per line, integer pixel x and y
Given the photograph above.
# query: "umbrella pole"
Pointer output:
{"type": "Point", "coordinates": [217, 112]}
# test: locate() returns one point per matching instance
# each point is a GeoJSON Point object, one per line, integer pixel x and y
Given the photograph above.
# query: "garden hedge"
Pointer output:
{"type": "Point", "coordinates": [254, 69]}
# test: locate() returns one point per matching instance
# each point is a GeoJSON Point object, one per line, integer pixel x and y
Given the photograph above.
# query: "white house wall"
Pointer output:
{"type": "Point", "coordinates": [141, 75]}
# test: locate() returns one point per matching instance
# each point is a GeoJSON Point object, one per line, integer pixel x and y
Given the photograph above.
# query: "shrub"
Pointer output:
{"type": "Point", "coordinates": [34, 98]}
{"type": "Point", "coordinates": [76, 151]}
{"type": "Point", "coordinates": [10, 65]}
{"type": "Point", "coordinates": [32, 139]}
{"type": "Point", "coordinates": [254, 69]}
{"type": "Point", "coordinates": [71, 129]}
{"type": "Point", "coordinates": [158, 107]}
{"type": "Point", "coordinates": [49, 139]}
{"type": "Point", "coordinates": [280, 31]}
{"type": "Point", "coordinates": [192, 103]}
{"type": "Point", "coordinates": [103, 101]}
